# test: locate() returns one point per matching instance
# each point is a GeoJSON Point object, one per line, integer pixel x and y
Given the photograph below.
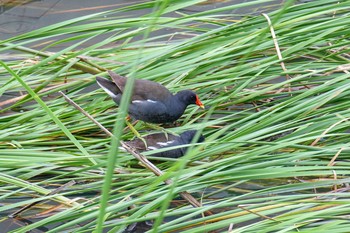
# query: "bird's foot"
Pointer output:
{"type": "Point", "coordinates": [159, 128]}
{"type": "Point", "coordinates": [135, 132]}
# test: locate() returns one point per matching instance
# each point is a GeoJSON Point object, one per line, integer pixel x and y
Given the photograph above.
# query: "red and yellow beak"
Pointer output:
{"type": "Point", "coordinates": [198, 102]}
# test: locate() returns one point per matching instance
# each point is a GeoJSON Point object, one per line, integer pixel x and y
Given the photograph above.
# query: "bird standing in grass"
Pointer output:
{"type": "Point", "coordinates": [151, 102]}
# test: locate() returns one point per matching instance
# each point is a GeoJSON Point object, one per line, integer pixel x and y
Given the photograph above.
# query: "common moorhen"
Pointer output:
{"type": "Point", "coordinates": [150, 101]}
{"type": "Point", "coordinates": [160, 140]}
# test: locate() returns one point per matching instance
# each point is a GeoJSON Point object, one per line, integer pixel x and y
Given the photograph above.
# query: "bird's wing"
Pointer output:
{"type": "Point", "coordinates": [143, 89]}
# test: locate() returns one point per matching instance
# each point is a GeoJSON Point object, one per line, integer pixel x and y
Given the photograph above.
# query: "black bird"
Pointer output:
{"type": "Point", "coordinates": [150, 101]}
{"type": "Point", "coordinates": [160, 140]}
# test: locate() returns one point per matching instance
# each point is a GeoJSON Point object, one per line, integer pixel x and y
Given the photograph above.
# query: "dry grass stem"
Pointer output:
{"type": "Point", "coordinates": [335, 188]}
{"type": "Point", "coordinates": [331, 163]}
{"type": "Point", "coordinates": [326, 131]}
{"type": "Point", "coordinates": [278, 51]}
{"type": "Point", "coordinates": [260, 215]}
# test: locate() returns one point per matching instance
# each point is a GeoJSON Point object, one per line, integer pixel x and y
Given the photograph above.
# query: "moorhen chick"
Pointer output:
{"type": "Point", "coordinates": [161, 140]}
{"type": "Point", "coordinates": [150, 101]}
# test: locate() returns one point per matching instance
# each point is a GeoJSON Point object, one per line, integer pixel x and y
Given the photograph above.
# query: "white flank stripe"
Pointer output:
{"type": "Point", "coordinates": [136, 101]}
{"type": "Point", "coordinates": [152, 148]}
{"type": "Point", "coordinates": [164, 143]}
{"type": "Point", "coordinates": [142, 101]}
{"type": "Point", "coordinates": [152, 101]}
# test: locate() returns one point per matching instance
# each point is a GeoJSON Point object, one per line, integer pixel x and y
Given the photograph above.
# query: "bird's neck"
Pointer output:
{"type": "Point", "coordinates": [177, 105]}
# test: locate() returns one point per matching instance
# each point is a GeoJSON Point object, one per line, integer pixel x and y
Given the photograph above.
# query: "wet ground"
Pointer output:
{"type": "Point", "coordinates": [20, 16]}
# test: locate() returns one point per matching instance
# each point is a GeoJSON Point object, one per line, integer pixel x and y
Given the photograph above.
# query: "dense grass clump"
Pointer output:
{"type": "Point", "coordinates": [276, 155]}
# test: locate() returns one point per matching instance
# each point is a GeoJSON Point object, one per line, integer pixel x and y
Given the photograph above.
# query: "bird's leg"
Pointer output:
{"type": "Point", "coordinates": [159, 128]}
{"type": "Point", "coordinates": [135, 132]}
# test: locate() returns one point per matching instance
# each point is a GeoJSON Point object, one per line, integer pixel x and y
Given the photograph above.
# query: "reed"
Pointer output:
{"type": "Point", "coordinates": [276, 155]}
